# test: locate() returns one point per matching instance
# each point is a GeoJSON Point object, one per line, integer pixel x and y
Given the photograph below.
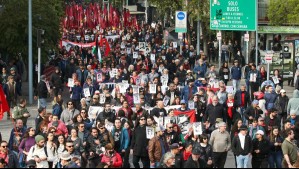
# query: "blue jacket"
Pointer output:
{"type": "Point", "coordinates": [80, 74]}
{"type": "Point", "coordinates": [185, 93]}
{"type": "Point", "coordinates": [12, 141]}
{"type": "Point", "coordinates": [76, 92]}
{"type": "Point", "coordinates": [236, 73]}
{"type": "Point", "coordinates": [258, 78]}
{"type": "Point", "coordinates": [202, 69]}
{"type": "Point", "coordinates": [57, 110]}
{"type": "Point", "coordinates": [270, 100]}
{"type": "Point", "coordinates": [124, 139]}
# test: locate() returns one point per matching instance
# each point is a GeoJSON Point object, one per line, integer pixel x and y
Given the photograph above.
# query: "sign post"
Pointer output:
{"type": "Point", "coordinates": [246, 39]}
{"type": "Point", "coordinates": [219, 38]}
{"type": "Point", "coordinates": [181, 21]}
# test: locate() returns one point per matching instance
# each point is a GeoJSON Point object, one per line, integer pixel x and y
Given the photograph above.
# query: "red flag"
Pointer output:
{"type": "Point", "coordinates": [3, 103]}
{"type": "Point", "coordinates": [190, 114]}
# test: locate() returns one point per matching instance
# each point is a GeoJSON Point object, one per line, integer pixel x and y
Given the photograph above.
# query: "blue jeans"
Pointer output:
{"type": "Point", "coordinates": [42, 102]}
{"type": "Point", "coordinates": [236, 85]}
{"type": "Point", "coordinates": [242, 161]}
{"type": "Point", "coordinates": [242, 110]}
{"type": "Point", "coordinates": [275, 159]}
{"type": "Point", "coordinates": [247, 85]}
{"type": "Point", "coordinates": [157, 164]}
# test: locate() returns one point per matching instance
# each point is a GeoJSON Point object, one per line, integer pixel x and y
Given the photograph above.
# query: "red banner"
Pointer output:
{"type": "Point", "coordinates": [3, 103]}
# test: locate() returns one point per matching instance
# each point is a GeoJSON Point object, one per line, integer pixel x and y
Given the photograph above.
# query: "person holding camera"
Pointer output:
{"type": "Point", "coordinates": [92, 145]}
{"type": "Point", "coordinates": [253, 112]}
{"type": "Point", "coordinates": [111, 159]}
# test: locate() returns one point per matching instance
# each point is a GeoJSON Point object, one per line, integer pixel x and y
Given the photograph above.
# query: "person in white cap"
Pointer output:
{"type": "Point", "coordinates": [293, 103]}
{"type": "Point", "coordinates": [281, 104]}
{"type": "Point", "coordinates": [260, 150]}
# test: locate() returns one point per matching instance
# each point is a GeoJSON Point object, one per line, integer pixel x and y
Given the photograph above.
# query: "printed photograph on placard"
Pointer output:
{"type": "Point", "coordinates": [191, 105]}
{"type": "Point", "coordinates": [142, 46]}
{"type": "Point", "coordinates": [135, 89]}
{"type": "Point", "coordinates": [109, 126]}
{"type": "Point", "coordinates": [99, 77]}
{"type": "Point", "coordinates": [197, 128]}
{"type": "Point", "coordinates": [229, 89]}
{"type": "Point", "coordinates": [122, 88]}
{"type": "Point", "coordinates": [136, 98]}
{"type": "Point", "coordinates": [128, 51]}
{"type": "Point", "coordinates": [135, 55]}
{"type": "Point", "coordinates": [166, 100]}
{"type": "Point", "coordinates": [86, 92]}
{"type": "Point", "coordinates": [153, 88]}
{"type": "Point", "coordinates": [138, 81]}
{"type": "Point", "coordinates": [70, 82]}
{"type": "Point", "coordinates": [153, 57]}
{"type": "Point", "coordinates": [102, 98]}
{"type": "Point", "coordinates": [150, 132]}
{"type": "Point", "coordinates": [164, 89]}
{"type": "Point", "coordinates": [275, 80]}
{"type": "Point", "coordinates": [93, 111]}
{"type": "Point", "coordinates": [253, 77]}
{"type": "Point", "coordinates": [175, 44]}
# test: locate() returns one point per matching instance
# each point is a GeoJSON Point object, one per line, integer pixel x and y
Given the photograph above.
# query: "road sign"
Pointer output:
{"type": "Point", "coordinates": [246, 37]}
{"type": "Point", "coordinates": [181, 21]}
{"type": "Point", "coordinates": [268, 58]}
{"type": "Point", "coordinates": [233, 15]}
{"type": "Point", "coordinates": [219, 37]}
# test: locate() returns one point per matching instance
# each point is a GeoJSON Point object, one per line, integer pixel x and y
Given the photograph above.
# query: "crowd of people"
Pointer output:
{"type": "Point", "coordinates": [148, 101]}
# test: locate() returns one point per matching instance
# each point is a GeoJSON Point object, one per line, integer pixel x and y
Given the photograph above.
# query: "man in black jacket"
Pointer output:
{"type": "Point", "coordinates": [159, 110]}
{"type": "Point", "coordinates": [42, 92]}
{"type": "Point", "coordinates": [242, 147]}
{"type": "Point", "coordinates": [107, 114]}
{"type": "Point", "coordinates": [139, 144]}
{"type": "Point", "coordinates": [172, 93]}
{"type": "Point", "coordinates": [92, 145]}
{"type": "Point", "coordinates": [253, 112]}
{"type": "Point", "coordinates": [260, 150]}
{"type": "Point", "coordinates": [214, 111]}
{"type": "Point", "coordinates": [194, 161]}
{"type": "Point", "coordinates": [57, 81]}
{"type": "Point", "coordinates": [272, 120]}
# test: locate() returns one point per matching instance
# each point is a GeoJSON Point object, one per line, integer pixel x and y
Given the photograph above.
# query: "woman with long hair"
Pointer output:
{"type": "Point", "coordinates": [61, 144]}
{"type": "Point", "coordinates": [51, 149]}
{"type": "Point", "coordinates": [78, 143]}
{"type": "Point", "coordinates": [263, 74]}
{"type": "Point", "coordinates": [27, 142]}
{"type": "Point", "coordinates": [224, 73]}
{"type": "Point", "coordinates": [235, 129]}
{"type": "Point", "coordinates": [276, 78]}
{"type": "Point", "coordinates": [78, 119]}
{"type": "Point", "coordinates": [275, 154]}
{"type": "Point", "coordinates": [43, 126]}
{"type": "Point", "coordinates": [206, 150]}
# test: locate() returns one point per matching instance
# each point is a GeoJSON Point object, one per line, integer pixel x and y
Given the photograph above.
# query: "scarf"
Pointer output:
{"type": "Point", "coordinates": [186, 155]}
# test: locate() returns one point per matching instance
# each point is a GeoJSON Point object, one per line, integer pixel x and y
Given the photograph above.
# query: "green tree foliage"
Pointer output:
{"type": "Point", "coordinates": [283, 12]}
{"type": "Point", "coordinates": [46, 15]}
{"type": "Point", "coordinates": [166, 7]}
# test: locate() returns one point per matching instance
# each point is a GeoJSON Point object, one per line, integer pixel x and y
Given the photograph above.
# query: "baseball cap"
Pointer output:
{"type": "Point", "coordinates": [196, 151]}
{"type": "Point", "coordinates": [255, 102]}
{"type": "Point", "coordinates": [183, 102]}
{"type": "Point", "coordinates": [282, 91]}
{"type": "Point", "coordinates": [243, 127]}
{"type": "Point", "coordinates": [13, 68]}
{"type": "Point", "coordinates": [261, 132]}
{"type": "Point", "coordinates": [175, 146]}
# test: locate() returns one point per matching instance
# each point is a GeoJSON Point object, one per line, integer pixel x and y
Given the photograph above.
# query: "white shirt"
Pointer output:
{"type": "Point", "coordinates": [242, 140]}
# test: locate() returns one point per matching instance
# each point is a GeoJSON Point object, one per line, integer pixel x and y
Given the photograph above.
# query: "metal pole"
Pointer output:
{"type": "Point", "coordinates": [219, 46]}
{"type": "Point", "coordinates": [39, 69]}
{"type": "Point", "coordinates": [146, 8]}
{"type": "Point", "coordinates": [256, 34]}
{"type": "Point", "coordinates": [247, 50]}
{"type": "Point", "coordinates": [268, 71]}
{"type": "Point", "coordinates": [198, 34]}
{"type": "Point", "coordinates": [282, 71]}
{"type": "Point", "coordinates": [30, 67]}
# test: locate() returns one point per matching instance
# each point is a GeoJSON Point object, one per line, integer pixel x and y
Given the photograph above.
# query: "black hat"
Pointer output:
{"type": "Point", "coordinates": [31, 163]}
{"type": "Point", "coordinates": [196, 151]}
{"type": "Point", "coordinates": [175, 146]}
{"type": "Point", "coordinates": [243, 127]}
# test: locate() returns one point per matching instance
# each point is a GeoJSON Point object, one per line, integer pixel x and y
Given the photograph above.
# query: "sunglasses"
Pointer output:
{"type": "Point", "coordinates": [170, 127]}
{"type": "Point", "coordinates": [70, 146]}
{"type": "Point", "coordinates": [142, 119]}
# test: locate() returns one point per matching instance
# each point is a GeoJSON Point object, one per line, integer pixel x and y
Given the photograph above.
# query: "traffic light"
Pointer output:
{"type": "Point", "coordinates": [276, 43]}
{"type": "Point", "coordinates": [40, 40]}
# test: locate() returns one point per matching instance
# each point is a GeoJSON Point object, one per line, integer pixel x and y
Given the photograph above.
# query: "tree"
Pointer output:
{"type": "Point", "coordinates": [283, 12]}
{"type": "Point", "coordinates": [46, 15]}
{"type": "Point", "coordinates": [167, 7]}
{"type": "Point", "coordinates": [200, 10]}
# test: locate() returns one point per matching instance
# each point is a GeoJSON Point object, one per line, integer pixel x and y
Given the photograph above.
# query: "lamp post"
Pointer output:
{"type": "Point", "coordinates": [30, 67]}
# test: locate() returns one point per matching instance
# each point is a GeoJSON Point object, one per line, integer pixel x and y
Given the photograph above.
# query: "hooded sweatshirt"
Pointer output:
{"type": "Point", "coordinates": [293, 103]}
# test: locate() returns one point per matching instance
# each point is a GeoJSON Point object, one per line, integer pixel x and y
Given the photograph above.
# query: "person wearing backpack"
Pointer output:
{"type": "Point", "coordinates": [38, 153]}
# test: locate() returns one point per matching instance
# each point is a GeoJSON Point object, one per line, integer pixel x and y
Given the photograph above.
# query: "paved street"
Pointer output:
{"type": "Point", "coordinates": [6, 126]}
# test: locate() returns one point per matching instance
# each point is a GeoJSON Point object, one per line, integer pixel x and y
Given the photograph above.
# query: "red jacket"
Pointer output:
{"type": "Point", "coordinates": [115, 159]}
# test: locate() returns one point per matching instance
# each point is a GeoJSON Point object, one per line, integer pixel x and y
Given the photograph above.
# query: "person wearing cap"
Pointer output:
{"type": "Point", "coordinates": [188, 91]}
{"type": "Point", "coordinates": [183, 107]}
{"type": "Point", "coordinates": [260, 150]}
{"type": "Point", "coordinates": [66, 161]}
{"type": "Point", "coordinates": [242, 147]}
{"type": "Point", "coordinates": [41, 92]}
{"type": "Point", "coordinates": [293, 103]}
{"type": "Point", "coordinates": [253, 112]}
{"type": "Point", "coordinates": [281, 104]}
{"type": "Point", "coordinates": [270, 98]}
{"type": "Point", "coordinates": [31, 164]}
{"type": "Point", "coordinates": [21, 112]}
{"type": "Point", "coordinates": [17, 79]}
{"type": "Point", "coordinates": [221, 142]}
{"type": "Point", "coordinates": [293, 119]}
{"type": "Point", "coordinates": [194, 161]}
{"type": "Point", "coordinates": [10, 93]}
{"type": "Point", "coordinates": [289, 150]}
{"type": "Point", "coordinates": [236, 75]}
{"type": "Point", "coordinates": [157, 147]}
{"type": "Point", "coordinates": [189, 76]}
{"type": "Point", "coordinates": [38, 153]}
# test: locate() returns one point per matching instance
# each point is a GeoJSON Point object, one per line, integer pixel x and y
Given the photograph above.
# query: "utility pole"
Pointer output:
{"type": "Point", "coordinates": [256, 35]}
{"type": "Point", "coordinates": [146, 11]}
{"type": "Point", "coordinates": [40, 41]}
{"type": "Point", "coordinates": [198, 32]}
{"type": "Point", "coordinates": [30, 67]}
